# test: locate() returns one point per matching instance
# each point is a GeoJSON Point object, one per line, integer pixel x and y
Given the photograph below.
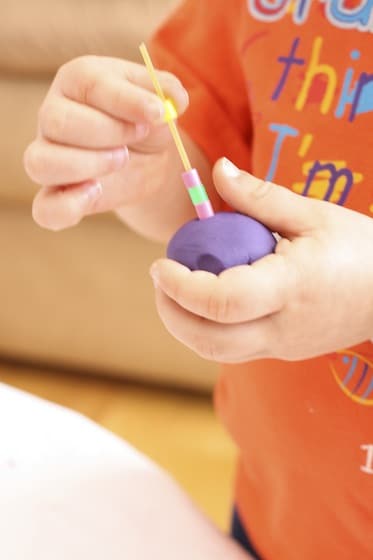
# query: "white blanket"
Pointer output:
{"type": "Point", "coordinates": [70, 490]}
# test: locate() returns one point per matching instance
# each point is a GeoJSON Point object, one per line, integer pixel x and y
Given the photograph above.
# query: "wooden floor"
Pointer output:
{"type": "Point", "coordinates": [178, 430]}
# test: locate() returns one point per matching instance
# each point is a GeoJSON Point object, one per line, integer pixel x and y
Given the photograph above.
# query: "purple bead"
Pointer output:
{"type": "Point", "coordinates": [223, 241]}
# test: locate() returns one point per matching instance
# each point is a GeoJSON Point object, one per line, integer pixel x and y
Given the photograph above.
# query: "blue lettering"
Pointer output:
{"type": "Point", "coordinates": [338, 14]}
{"type": "Point", "coordinates": [358, 18]}
{"type": "Point", "coordinates": [363, 101]}
{"type": "Point", "coordinates": [348, 92]}
{"type": "Point", "coordinates": [283, 131]}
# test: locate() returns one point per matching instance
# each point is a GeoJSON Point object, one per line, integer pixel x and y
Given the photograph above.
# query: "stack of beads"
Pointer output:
{"type": "Point", "coordinates": [198, 194]}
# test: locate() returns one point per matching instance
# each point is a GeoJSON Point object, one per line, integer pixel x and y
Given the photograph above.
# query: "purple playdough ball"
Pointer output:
{"type": "Point", "coordinates": [225, 240]}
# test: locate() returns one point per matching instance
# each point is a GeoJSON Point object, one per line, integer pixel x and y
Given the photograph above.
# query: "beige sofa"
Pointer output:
{"type": "Point", "coordinates": [80, 299]}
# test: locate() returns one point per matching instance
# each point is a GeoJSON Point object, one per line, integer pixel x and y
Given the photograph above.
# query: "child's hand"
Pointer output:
{"type": "Point", "coordinates": [98, 124]}
{"type": "Point", "coordinates": [313, 296]}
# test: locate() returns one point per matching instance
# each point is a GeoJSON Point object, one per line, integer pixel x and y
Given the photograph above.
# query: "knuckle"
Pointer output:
{"type": "Point", "coordinates": [119, 100]}
{"type": "Point", "coordinates": [219, 306]}
{"type": "Point", "coordinates": [133, 70]}
{"type": "Point", "coordinates": [262, 189]}
{"type": "Point", "coordinates": [64, 70]}
{"type": "Point", "coordinates": [78, 64]}
{"type": "Point", "coordinates": [128, 133]}
{"type": "Point", "coordinates": [87, 60]}
{"type": "Point", "coordinates": [52, 121]}
{"type": "Point", "coordinates": [88, 89]}
{"type": "Point", "coordinates": [70, 69]}
{"type": "Point", "coordinates": [82, 73]}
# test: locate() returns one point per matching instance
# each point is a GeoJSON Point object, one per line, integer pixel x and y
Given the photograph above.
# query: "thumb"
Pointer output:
{"type": "Point", "coordinates": [276, 207]}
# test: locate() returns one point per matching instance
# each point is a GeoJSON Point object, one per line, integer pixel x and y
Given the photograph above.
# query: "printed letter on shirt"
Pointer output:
{"type": "Point", "coordinates": [368, 467]}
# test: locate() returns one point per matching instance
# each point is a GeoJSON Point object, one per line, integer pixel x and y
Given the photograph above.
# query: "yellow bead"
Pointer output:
{"type": "Point", "coordinates": [170, 111]}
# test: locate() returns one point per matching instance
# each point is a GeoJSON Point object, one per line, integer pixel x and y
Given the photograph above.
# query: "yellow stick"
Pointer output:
{"type": "Point", "coordinates": [180, 146]}
{"type": "Point", "coordinates": [171, 123]}
{"type": "Point", "coordinates": [151, 70]}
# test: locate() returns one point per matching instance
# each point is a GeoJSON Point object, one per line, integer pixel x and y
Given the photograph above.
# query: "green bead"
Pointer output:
{"type": "Point", "coordinates": [198, 194]}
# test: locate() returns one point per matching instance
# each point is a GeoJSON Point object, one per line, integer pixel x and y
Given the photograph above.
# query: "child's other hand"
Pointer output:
{"type": "Point", "coordinates": [99, 122]}
{"type": "Point", "coordinates": [313, 296]}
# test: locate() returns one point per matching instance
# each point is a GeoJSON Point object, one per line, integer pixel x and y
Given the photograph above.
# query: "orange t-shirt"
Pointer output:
{"type": "Point", "coordinates": [285, 89]}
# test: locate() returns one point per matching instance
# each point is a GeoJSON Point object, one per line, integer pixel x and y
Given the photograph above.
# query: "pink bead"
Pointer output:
{"type": "Point", "coordinates": [204, 210]}
{"type": "Point", "coordinates": [191, 178]}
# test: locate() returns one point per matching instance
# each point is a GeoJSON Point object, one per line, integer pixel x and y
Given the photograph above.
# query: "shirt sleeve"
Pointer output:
{"type": "Point", "coordinates": [198, 44]}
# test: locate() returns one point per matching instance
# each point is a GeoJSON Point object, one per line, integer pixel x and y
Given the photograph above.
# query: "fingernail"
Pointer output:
{"type": "Point", "coordinates": [229, 169]}
{"type": "Point", "coordinates": [186, 96]}
{"type": "Point", "coordinates": [141, 130]}
{"type": "Point", "coordinates": [119, 156]}
{"type": "Point", "coordinates": [155, 111]}
{"type": "Point", "coordinates": [154, 273]}
{"type": "Point", "coordinates": [92, 193]}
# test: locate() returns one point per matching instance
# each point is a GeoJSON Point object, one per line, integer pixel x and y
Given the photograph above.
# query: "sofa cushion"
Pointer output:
{"type": "Point", "coordinates": [20, 100]}
{"type": "Point", "coordinates": [82, 299]}
{"type": "Point", "coordinates": [39, 36]}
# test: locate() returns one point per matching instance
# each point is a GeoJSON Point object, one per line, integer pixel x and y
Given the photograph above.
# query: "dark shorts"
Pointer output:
{"type": "Point", "coordinates": [239, 534]}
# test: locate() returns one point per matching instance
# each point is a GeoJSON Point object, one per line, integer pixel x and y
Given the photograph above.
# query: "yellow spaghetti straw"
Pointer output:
{"type": "Point", "coordinates": [171, 123]}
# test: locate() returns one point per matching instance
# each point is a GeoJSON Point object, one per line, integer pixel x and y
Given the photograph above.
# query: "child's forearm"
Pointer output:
{"type": "Point", "coordinates": [167, 206]}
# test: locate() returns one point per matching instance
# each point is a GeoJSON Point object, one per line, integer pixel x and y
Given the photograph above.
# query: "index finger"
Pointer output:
{"type": "Point", "coordinates": [122, 89]}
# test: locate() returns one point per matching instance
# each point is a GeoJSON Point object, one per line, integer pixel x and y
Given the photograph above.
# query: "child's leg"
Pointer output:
{"type": "Point", "coordinates": [69, 489]}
